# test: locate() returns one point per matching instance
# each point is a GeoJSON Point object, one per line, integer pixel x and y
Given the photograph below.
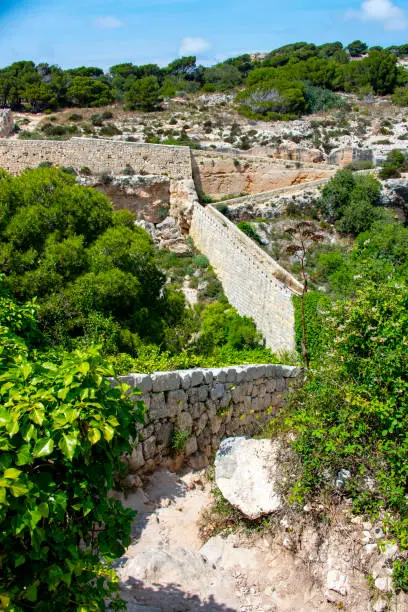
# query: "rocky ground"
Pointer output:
{"type": "Point", "coordinates": [321, 558]}
{"type": "Point", "coordinates": [212, 121]}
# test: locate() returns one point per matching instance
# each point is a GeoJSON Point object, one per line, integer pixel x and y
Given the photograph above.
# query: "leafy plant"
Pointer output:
{"type": "Point", "coordinates": [178, 440]}
{"type": "Point", "coordinates": [63, 429]}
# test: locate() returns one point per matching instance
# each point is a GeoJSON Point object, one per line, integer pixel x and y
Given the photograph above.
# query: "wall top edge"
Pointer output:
{"type": "Point", "coordinates": [184, 379]}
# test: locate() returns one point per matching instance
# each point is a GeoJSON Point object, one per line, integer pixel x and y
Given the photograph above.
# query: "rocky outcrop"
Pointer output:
{"type": "Point", "coordinates": [6, 123]}
{"type": "Point", "coordinates": [395, 194]}
{"type": "Point", "coordinates": [147, 196]}
{"type": "Point", "coordinates": [347, 155]}
{"type": "Point", "coordinates": [167, 235]}
{"type": "Point", "coordinates": [246, 474]}
{"type": "Point", "coordinates": [183, 196]}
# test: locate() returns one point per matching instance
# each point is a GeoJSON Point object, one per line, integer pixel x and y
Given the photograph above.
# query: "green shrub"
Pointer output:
{"type": "Point", "coordinates": [316, 305]}
{"type": "Point", "coordinates": [400, 96]}
{"type": "Point", "coordinates": [63, 429]}
{"type": "Point", "coordinates": [272, 99]}
{"type": "Point", "coordinates": [247, 228]}
{"type": "Point", "coordinates": [144, 94]}
{"type": "Point", "coordinates": [178, 440]}
{"type": "Point", "coordinates": [201, 261]}
{"type": "Point", "coordinates": [351, 412]}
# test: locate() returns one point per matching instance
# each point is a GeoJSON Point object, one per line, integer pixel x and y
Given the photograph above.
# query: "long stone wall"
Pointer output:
{"type": "Point", "coordinates": [206, 405]}
{"type": "Point", "coordinates": [253, 282]}
{"type": "Point", "coordinates": [98, 155]}
{"type": "Point", "coordinates": [219, 174]}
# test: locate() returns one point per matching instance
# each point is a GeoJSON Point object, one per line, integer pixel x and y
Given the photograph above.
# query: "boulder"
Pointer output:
{"type": "Point", "coordinates": [6, 123]}
{"type": "Point", "coordinates": [246, 473]}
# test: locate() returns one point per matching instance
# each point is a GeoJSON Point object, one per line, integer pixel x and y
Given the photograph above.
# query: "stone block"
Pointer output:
{"type": "Point", "coordinates": [185, 421]}
{"type": "Point", "coordinates": [136, 460]}
{"type": "Point", "coordinates": [191, 446]}
{"type": "Point", "coordinates": [208, 376]}
{"type": "Point", "coordinates": [149, 448]}
{"type": "Point", "coordinates": [217, 391]}
{"type": "Point", "coordinates": [238, 394]}
{"type": "Point", "coordinates": [158, 408]}
{"type": "Point", "coordinates": [163, 434]}
{"type": "Point", "coordinates": [220, 375]}
{"type": "Point", "coordinates": [165, 381]}
{"type": "Point", "coordinates": [291, 371]}
{"type": "Point", "coordinates": [255, 371]}
{"type": "Point", "coordinates": [197, 377]}
{"type": "Point", "coordinates": [200, 425]}
{"type": "Point", "coordinates": [176, 402]}
{"type": "Point", "coordinates": [202, 393]}
{"type": "Point", "coordinates": [215, 424]}
{"type": "Point", "coordinates": [146, 432]}
{"type": "Point", "coordinates": [231, 375]}
{"type": "Point", "coordinates": [195, 410]}
{"type": "Point", "coordinates": [241, 374]}
{"type": "Point", "coordinates": [225, 400]}
{"type": "Point", "coordinates": [185, 377]}
{"type": "Point", "coordinates": [142, 382]}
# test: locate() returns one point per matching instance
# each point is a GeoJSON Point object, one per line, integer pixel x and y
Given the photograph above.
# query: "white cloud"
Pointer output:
{"type": "Point", "coordinates": [391, 16]}
{"type": "Point", "coordinates": [193, 46]}
{"type": "Point", "coordinates": [108, 22]}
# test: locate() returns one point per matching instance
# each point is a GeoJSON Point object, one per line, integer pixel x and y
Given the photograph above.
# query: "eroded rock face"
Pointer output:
{"type": "Point", "coordinates": [245, 472]}
{"type": "Point", "coordinates": [6, 123]}
{"type": "Point", "coordinates": [166, 235]}
{"type": "Point", "coordinates": [183, 196]}
{"type": "Point", "coordinates": [220, 175]}
{"type": "Point", "coordinates": [148, 196]}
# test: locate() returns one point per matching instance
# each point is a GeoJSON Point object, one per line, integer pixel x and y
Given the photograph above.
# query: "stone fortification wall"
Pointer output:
{"type": "Point", "coordinates": [344, 157]}
{"type": "Point", "coordinates": [219, 175]}
{"type": "Point", "coordinates": [98, 155]}
{"type": "Point", "coordinates": [253, 282]}
{"type": "Point", "coordinates": [268, 196]}
{"type": "Point", "coordinates": [206, 404]}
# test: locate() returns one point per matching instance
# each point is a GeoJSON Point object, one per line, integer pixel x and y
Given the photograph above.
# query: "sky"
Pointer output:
{"type": "Point", "coordinates": [102, 33]}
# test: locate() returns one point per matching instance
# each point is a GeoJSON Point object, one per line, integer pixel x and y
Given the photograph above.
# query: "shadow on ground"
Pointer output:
{"type": "Point", "coordinates": [169, 598]}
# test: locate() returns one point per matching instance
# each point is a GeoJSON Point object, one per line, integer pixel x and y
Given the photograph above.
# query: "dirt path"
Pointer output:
{"type": "Point", "coordinates": [168, 569]}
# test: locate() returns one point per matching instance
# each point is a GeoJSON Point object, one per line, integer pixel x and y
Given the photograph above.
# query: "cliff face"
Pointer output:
{"type": "Point", "coordinates": [220, 175]}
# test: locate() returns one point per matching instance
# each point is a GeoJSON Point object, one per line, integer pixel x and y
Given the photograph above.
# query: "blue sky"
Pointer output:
{"type": "Point", "coordinates": [106, 32]}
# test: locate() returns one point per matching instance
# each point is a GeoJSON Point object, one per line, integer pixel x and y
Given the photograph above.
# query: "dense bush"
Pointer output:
{"type": "Point", "coordinates": [63, 429]}
{"type": "Point", "coordinates": [351, 201]}
{"type": "Point", "coordinates": [144, 94]}
{"type": "Point", "coordinates": [64, 244]}
{"type": "Point", "coordinates": [351, 413]}
{"type": "Point", "coordinates": [247, 228]}
{"type": "Point", "coordinates": [272, 99]}
{"type": "Point", "coordinates": [395, 163]}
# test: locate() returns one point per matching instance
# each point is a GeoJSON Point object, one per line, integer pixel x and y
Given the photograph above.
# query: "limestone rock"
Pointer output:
{"type": "Point", "coordinates": [183, 196]}
{"type": "Point", "coordinates": [6, 123]}
{"type": "Point", "coordinates": [245, 472]}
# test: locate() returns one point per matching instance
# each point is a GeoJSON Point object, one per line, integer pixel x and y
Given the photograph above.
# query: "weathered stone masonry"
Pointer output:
{"type": "Point", "coordinates": [209, 404]}
{"type": "Point", "coordinates": [98, 155]}
{"type": "Point", "coordinates": [253, 282]}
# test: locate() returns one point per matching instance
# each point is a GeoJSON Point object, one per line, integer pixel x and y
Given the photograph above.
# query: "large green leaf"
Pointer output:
{"type": "Point", "coordinates": [44, 447]}
{"type": "Point", "coordinates": [68, 444]}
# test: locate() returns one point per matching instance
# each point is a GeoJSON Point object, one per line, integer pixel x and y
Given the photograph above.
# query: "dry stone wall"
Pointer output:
{"type": "Point", "coordinates": [207, 405]}
{"type": "Point", "coordinates": [98, 155]}
{"type": "Point", "coordinates": [253, 282]}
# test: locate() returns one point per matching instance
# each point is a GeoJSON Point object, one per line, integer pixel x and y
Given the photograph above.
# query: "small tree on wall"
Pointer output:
{"type": "Point", "coordinates": [304, 235]}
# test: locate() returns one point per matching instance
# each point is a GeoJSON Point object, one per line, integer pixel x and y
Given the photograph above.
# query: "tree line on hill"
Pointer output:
{"type": "Point", "coordinates": [281, 85]}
